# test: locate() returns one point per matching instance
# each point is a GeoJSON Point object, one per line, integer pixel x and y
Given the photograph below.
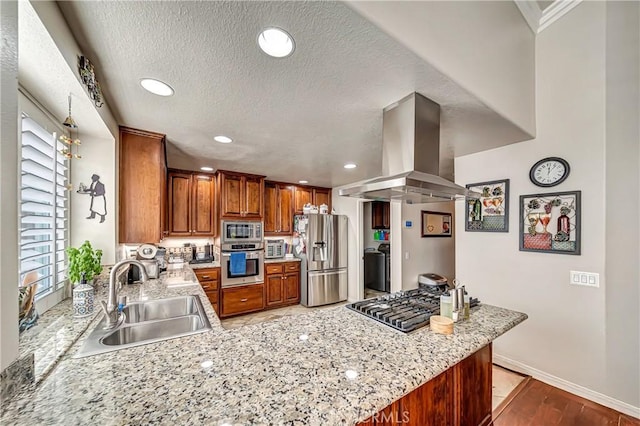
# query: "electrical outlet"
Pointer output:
{"type": "Point", "coordinates": [589, 279]}
{"type": "Point", "coordinates": [406, 255]}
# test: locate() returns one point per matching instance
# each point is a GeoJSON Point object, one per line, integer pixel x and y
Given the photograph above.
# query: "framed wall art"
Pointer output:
{"type": "Point", "coordinates": [550, 223]}
{"type": "Point", "coordinates": [436, 224]}
{"type": "Point", "coordinates": [489, 213]}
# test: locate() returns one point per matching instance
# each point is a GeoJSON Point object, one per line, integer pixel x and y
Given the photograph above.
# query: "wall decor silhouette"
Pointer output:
{"type": "Point", "coordinates": [96, 191]}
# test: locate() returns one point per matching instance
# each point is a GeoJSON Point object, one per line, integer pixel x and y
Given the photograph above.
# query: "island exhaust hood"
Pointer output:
{"type": "Point", "coordinates": [411, 157]}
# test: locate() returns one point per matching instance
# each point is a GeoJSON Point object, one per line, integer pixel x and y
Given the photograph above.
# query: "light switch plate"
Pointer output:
{"type": "Point", "coordinates": [589, 279]}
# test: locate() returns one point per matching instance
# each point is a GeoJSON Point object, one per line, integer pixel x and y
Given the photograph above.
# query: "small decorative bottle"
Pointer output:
{"type": "Point", "coordinates": [563, 224]}
{"type": "Point", "coordinates": [82, 299]}
{"type": "Point", "coordinates": [477, 211]}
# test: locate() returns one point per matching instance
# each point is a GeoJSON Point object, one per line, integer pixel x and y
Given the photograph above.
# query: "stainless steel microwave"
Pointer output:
{"type": "Point", "coordinates": [241, 231]}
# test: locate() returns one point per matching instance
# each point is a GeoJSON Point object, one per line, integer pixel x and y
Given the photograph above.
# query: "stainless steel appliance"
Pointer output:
{"type": "Point", "coordinates": [433, 280]}
{"type": "Point", "coordinates": [385, 248]}
{"type": "Point", "coordinates": [374, 270]}
{"type": "Point", "coordinates": [322, 246]}
{"type": "Point", "coordinates": [254, 259]}
{"type": "Point", "coordinates": [406, 310]}
{"type": "Point", "coordinates": [274, 249]}
{"type": "Point", "coordinates": [414, 166]}
{"type": "Point", "coordinates": [241, 231]}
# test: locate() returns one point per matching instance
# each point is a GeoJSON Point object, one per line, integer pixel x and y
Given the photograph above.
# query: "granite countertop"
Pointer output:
{"type": "Point", "coordinates": [281, 260]}
{"type": "Point", "coordinates": [257, 374]}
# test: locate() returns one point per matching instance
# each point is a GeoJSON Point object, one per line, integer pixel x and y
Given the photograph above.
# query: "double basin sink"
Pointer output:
{"type": "Point", "coordinates": [149, 322]}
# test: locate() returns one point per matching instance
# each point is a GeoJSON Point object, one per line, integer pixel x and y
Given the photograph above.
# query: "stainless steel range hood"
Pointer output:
{"type": "Point", "coordinates": [411, 157]}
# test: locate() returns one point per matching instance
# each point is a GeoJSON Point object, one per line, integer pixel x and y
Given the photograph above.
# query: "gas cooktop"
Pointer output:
{"type": "Point", "coordinates": [404, 311]}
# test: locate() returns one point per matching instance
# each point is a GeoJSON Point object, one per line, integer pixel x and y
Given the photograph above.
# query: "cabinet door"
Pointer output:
{"type": "Point", "coordinates": [292, 287]}
{"type": "Point", "coordinates": [322, 196]}
{"type": "Point", "coordinates": [232, 191]}
{"type": "Point", "coordinates": [285, 197]}
{"type": "Point", "coordinates": [472, 377]}
{"type": "Point", "coordinates": [253, 197]}
{"type": "Point", "coordinates": [271, 207]}
{"type": "Point", "coordinates": [203, 221]}
{"type": "Point", "coordinates": [179, 204]}
{"type": "Point", "coordinates": [274, 285]}
{"type": "Point", "coordinates": [380, 215]}
{"type": "Point", "coordinates": [302, 196]}
{"type": "Point", "coordinates": [142, 181]}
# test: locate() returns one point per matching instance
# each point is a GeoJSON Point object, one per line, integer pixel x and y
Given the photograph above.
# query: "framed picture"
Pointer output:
{"type": "Point", "coordinates": [489, 213]}
{"type": "Point", "coordinates": [436, 224]}
{"type": "Point", "coordinates": [550, 223]}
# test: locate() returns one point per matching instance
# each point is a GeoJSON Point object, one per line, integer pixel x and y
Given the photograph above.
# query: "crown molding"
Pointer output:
{"type": "Point", "coordinates": [555, 11]}
{"type": "Point", "coordinates": [538, 19]}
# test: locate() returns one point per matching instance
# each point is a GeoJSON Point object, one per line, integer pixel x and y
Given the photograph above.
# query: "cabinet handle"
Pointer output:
{"type": "Point", "coordinates": [205, 277]}
{"type": "Point", "coordinates": [243, 300]}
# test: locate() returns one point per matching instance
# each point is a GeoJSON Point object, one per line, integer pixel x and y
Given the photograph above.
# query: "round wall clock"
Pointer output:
{"type": "Point", "coordinates": [549, 172]}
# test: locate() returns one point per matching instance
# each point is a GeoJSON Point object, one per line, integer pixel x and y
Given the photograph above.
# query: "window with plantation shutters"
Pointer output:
{"type": "Point", "coordinates": [43, 209]}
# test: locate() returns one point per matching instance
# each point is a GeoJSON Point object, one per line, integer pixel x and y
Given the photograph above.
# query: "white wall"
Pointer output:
{"type": "Point", "coordinates": [622, 200]}
{"type": "Point", "coordinates": [566, 334]}
{"type": "Point", "coordinates": [98, 157]}
{"type": "Point", "coordinates": [9, 179]}
{"type": "Point", "coordinates": [426, 254]}
{"type": "Point", "coordinates": [486, 47]}
{"type": "Point", "coordinates": [353, 209]}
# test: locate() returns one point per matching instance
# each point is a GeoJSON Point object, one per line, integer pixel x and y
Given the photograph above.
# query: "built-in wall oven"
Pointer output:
{"type": "Point", "coordinates": [242, 258]}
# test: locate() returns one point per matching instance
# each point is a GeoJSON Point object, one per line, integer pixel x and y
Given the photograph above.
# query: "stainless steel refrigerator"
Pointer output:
{"type": "Point", "coordinates": [321, 244]}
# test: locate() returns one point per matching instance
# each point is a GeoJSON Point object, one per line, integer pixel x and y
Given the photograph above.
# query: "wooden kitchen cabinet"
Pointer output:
{"type": "Point", "coordinates": [460, 396]}
{"type": "Point", "coordinates": [241, 195]}
{"type": "Point", "coordinates": [282, 284]}
{"type": "Point", "coordinates": [209, 279]}
{"type": "Point", "coordinates": [380, 215]}
{"type": "Point", "coordinates": [322, 196]}
{"type": "Point", "coordinates": [242, 299]}
{"type": "Point", "coordinates": [192, 204]}
{"type": "Point", "coordinates": [142, 183]}
{"type": "Point", "coordinates": [312, 195]}
{"type": "Point", "coordinates": [278, 208]}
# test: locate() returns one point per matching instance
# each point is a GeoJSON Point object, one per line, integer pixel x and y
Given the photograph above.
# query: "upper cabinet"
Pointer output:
{"type": "Point", "coordinates": [278, 208]}
{"type": "Point", "coordinates": [310, 195]}
{"type": "Point", "coordinates": [241, 195]}
{"type": "Point", "coordinates": [142, 182]}
{"type": "Point", "coordinates": [380, 215]}
{"type": "Point", "coordinates": [192, 206]}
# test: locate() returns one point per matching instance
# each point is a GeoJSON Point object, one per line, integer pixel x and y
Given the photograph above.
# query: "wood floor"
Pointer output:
{"type": "Point", "coordinates": [534, 403]}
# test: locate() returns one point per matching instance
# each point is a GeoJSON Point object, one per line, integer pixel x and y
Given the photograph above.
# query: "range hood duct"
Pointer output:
{"type": "Point", "coordinates": [411, 157]}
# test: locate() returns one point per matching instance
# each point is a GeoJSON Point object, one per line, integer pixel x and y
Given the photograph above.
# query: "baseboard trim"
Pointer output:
{"type": "Point", "coordinates": [565, 385]}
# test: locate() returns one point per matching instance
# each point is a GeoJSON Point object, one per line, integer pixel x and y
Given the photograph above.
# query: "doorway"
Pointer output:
{"type": "Point", "coordinates": [376, 231]}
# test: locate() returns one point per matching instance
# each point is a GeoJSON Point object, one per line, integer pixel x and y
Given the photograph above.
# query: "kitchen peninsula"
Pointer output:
{"type": "Point", "coordinates": [287, 371]}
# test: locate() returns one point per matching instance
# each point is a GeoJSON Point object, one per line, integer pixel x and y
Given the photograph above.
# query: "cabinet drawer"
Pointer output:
{"type": "Point", "coordinates": [210, 285]}
{"type": "Point", "coordinates": [212, 296]}
{"type": "Point", "coordinates": [273, 268]}
{"type": "Point", "coordinates": [292, 266]}
{"type": "Point", "coordinates": [208, 274]}
{"type": "Point", "coordinates": [238, 300]}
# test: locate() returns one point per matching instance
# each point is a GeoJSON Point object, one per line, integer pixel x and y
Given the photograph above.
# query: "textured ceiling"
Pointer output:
{"type": "Point", "coordinates": [301, 117]}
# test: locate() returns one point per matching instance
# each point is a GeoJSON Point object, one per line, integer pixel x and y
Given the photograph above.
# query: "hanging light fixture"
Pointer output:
{"type": "Point", "coordinates": [71, 146]}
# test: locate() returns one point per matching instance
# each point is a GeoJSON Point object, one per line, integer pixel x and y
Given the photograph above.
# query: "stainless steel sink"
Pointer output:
{"type": "Point", "coordinates": [149, 322]}
{"type": "Point", "coordinates": [161, 309]}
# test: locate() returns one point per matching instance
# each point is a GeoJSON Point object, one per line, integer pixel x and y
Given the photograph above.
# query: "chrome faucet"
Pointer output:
{"type": "Point", "coordinates": [113, 308]}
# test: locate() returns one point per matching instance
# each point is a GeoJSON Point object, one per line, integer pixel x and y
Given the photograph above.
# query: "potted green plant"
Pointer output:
{"type": "Point", "coordinates": [83, 261]}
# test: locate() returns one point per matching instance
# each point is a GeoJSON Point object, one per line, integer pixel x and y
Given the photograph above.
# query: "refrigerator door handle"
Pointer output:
{"type": "Point", "coordinates": [328, 272]}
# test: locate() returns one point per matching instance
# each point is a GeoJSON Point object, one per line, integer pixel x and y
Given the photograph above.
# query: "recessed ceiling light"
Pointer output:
{"type": "Point", "coordinates": [206, 169]}
{"type": "Point", "coordinates": [223, 139]}
{"type": "Point", "coordinates": [276, 42]}
{"type": "Point", "coordinates": [303, 181]}
{"type": "Point", "coordinates": [350, 166]}
{"type": "Point", "coordinates": [156, 87]}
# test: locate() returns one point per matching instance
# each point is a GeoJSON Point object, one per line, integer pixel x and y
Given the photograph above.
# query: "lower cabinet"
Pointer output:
{"type": "Point", "coordinates": [460, 396]}
{"type": "Point", "coordinates": [282, 284]}
{"type": "Point", "coordinates": [242, 299]}
{"type": "Point", "coordinates": [210, 281]}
